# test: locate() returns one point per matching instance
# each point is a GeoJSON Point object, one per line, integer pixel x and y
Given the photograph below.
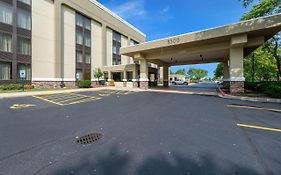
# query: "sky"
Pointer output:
{"type": "Point", "coordinates": [165, 18]}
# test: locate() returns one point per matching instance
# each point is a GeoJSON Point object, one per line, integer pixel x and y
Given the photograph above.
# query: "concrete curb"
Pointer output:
{"type": "Point", "coordinates": [183, 92]}
{"type": "Point", "coordinates": [252, 99]}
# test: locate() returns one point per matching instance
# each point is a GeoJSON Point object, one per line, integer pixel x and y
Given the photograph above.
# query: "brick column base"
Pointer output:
{"type": "Point", "coordinates": [236, 87]}
{"type": "Point", "coordinates": [226, 84]}
{"type": "Point", "coordinates": [166, 83]}
{"type": "Point", "coordinates": [144, 84]}
{"type": "Point", "coordinates": [135, 84]}
{"type": "Point", "coordinates": [124, 83]}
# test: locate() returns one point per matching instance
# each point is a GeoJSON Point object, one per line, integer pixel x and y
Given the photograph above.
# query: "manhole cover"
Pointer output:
{"type": "Point", "coordinates": [89, 138]}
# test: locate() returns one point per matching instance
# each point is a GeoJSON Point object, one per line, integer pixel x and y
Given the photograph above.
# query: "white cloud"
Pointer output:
{"type": "Point", "coordinates": [130, 9]}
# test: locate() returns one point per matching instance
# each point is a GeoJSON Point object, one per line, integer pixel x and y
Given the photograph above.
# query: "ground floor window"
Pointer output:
{"type": "Point", "coordinates": [117, 76]}
{"type": "Point", "coordinates": [24, 72]}
{"type": "Point", "coordinates": [79, 74]}
{"type": "Point", "coordinates": [129, 76]}
{"type": "Point", "coordinates": [105, 75]}
{"type": "Point", "coordinates": [5, 71]}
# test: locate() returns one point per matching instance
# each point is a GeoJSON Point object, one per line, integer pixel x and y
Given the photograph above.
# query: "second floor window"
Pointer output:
{"type": "Point", "coordinates": [5, 42]}
{"type": "Point", "coordinates": [24, 46]}
{"type": "Point", "coordinates": [6, 13]}
{"type": "Point", "coordinates": [24, 19]}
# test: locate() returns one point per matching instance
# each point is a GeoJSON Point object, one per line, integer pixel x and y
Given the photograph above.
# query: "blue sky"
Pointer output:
{"type": "Point", "coordinates": [164, 18]}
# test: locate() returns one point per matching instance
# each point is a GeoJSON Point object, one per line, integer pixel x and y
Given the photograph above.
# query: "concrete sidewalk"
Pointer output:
{"type": "Point", "coordinates": [253, 99]}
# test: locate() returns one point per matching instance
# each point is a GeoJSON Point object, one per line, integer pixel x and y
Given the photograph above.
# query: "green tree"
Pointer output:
{"type": "Point", "coordinates": [260, 66]}
{"type": "Point", "coordinates": [219, 71]}
{"type": "Point", "coordinates": [197, 74]}
{"type": "Point", "coordinates": [264, 8]}
{"type": "Point", "coordinates": [98, 74]}
{"type": "Point", "coordinates": [181, 71]}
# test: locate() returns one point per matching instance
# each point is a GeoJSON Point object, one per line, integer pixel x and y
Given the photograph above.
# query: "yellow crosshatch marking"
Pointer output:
{"type": "Point", "coordinates": [252, 107]}
{"type": "Point", "coordinates": [21, 106]}
{"type": "Point", "coordinates": [259, 127]}
{"type": "Point", "coordinates": [66, 98]}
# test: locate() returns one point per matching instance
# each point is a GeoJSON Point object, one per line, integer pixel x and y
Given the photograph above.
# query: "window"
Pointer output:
{"type": "Point", "coordinates": [129, 76]}
{"type": "Point", "coordinates": [6, 13]}
{"type": "Point", "coordinates": [79, 38]}
{"type": "Point", "coordinates": [87, 40]}
{"type": "Point", "coordinates": [23, 19]}
{"type": "Point", "coordinates": [88, 58]}
{"type": "Point", "coordinates": [87, 24]}
{"type": "Point", "coordinates": [79, 20]}
{"type": "Point", "coordinates": [5, 71]}
{"type": "Point", "coordinates": [116, 48]}
{"type": "Point", "coordinates": [116, 36]}
{"type": "Point", "coordinates": [79, 74]}
{"type": "Point", "coordinates": [26, 1]}
{"type": "Point", "coordinates": [24, 46]}
{"type": "Point", "coordinates": [24, 72]}
{"type": "Point", "coordinates": [5, 42]}
{"type": "Point", "coordinates": [79, 56]}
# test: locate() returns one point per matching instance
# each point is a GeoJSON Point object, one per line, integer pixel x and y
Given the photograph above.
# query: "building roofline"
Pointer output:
{"type": "Point", "coordinates": [116, 16]}
{"type": "Point", "coordinates": [205, 30]}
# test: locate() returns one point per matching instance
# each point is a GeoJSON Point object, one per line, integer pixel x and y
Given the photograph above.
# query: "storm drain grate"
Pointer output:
{"type": "Point", "coordinates": [89, 138]}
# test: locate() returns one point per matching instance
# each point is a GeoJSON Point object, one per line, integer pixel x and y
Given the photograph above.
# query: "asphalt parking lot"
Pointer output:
{"type": "Point", "coordinates": [140, 133]}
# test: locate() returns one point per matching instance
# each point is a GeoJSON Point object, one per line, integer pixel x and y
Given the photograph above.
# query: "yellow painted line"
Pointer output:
{"type": "Point", "coordinates": [70, 99]}
{"type": "Point", "coordinates": [48, 100]}
{"type": "Point", "coordinates": [104, 95]}
{"type": "Point", "coordinates": [259, 127]}
{"type": "Point", "coordinates": [83, 101]}
{"type": "Point", "coordinates": [251, 107]}
{"type": "Point", "coordinates": [20, 106]}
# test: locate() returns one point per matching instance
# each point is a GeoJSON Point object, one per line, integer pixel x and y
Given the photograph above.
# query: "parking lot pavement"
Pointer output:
{"type": "Point", "coordinates": [140, 133]}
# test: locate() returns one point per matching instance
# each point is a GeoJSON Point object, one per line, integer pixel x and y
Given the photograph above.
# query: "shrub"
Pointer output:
{"type": "Point", "coordinates": [251, 85]}
{"type": "Point", "coordinates": [102, 82]}
{"type": "Point", "coordinates": [28, 86]}
{"type": "Point", "coordinates": [84, 83]}
{"type": "Point", "coordinates": [273, 91]}
{"type": "Point", "coordinates": [11, 87]}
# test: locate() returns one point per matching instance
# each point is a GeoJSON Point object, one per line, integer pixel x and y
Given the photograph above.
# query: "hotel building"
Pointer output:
{"type": "Point", "coordinates": [54, 43]}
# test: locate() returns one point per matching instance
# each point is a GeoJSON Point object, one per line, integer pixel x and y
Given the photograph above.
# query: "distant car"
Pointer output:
{"type": "Point", "coordinates": [179, 82]}
{"type": "Point", "coordinates": [219, 82]}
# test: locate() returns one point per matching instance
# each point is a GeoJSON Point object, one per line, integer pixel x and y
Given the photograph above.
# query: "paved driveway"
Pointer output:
{"type": "Point", "coordinates": [143, 133]}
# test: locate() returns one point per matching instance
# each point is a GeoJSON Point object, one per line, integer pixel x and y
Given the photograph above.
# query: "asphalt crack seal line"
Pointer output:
{"type": "Point", "coordinates": [253, 107]}
{"type": "Point", "coordinates": [252, 146]}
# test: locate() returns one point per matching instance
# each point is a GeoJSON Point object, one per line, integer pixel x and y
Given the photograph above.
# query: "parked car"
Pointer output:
{"type": "Point", "coordinates": [179, 82]}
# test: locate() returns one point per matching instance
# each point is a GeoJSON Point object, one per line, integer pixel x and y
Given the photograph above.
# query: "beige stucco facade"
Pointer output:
{"type": "Point", "coordinates": [54, 38]}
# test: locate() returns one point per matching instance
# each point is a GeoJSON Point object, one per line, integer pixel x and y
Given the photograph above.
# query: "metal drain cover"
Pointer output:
{"type": "Point", "coordinates": [89, 138]}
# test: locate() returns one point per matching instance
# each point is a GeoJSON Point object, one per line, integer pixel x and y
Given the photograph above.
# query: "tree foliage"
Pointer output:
{"type": "Point", "coordinates": [269, 54]}
{"type": "Point", "coordinates": [98, 74]}
{"type": "Point", "coordinates": [197, 74]}
{"type": "Point", "coordinates": [263, 8]}
{"type": "Point", "coordinates": [181, 71]}
{"type": "Point", "coordinates": [219, 71]}
{"type": "Point", "coordinates": [264, 66]}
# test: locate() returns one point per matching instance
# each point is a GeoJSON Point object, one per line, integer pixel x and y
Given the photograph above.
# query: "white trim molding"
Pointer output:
{"type": "Point", "coordinates": [54, 79]}
{"type": "Point", "coordinates": [235, 79]}
{"type": "Point", "coordinates": [144, 79]}
{"type": "Point", "coordinates": [116, 16]}
{"type": "Point", "coordinates": [46, 79]}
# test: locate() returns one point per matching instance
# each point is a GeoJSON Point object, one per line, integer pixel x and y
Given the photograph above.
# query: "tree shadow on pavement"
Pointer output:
{"type": "Point", "coordinates": [117, 163]}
